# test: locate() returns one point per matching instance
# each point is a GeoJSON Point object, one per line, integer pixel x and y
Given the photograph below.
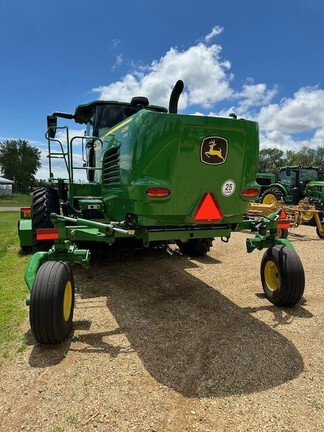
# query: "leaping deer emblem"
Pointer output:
{"type": "Point", "coordinates": [214, 152]}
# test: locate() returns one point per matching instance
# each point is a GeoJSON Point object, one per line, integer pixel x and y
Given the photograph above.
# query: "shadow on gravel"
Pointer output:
{"type": "Point", "coordinates": [45, 356]}
{"type": "Point", "coordinates": [295, 237]}
{"type": "Point", "coordinates": [188, 336]}
{"type": "Point", "coordinates": [50, 355]}
{"type": "Point", "coordinates": [283, 315]}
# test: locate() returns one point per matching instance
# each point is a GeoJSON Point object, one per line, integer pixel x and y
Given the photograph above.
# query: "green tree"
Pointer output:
{"type": "Point", "coordinates": [292, 158]}
{"type": "Point", "coordinates": [270, 160]}
{"type": "Point", "coordinates": [305, 156]}
{"type": "Point", "coordinates": [19, 161]}
{"type": "Point", "coordinates": [319, 158]}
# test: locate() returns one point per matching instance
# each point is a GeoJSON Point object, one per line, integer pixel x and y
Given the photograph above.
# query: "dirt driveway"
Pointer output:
{"type": "Point", "coordinates": [5, 209]}
{"type": "Point", "coordinates": [165, 343]}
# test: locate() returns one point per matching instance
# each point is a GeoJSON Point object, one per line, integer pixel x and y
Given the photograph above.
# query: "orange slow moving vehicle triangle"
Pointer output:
{"type": "Point", "coordinates": [283, 221]}
{"type": "Point", "coordinates": [208, 209]}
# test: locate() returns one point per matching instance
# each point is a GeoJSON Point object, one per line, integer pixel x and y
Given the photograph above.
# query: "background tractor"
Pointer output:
{"type": "Point", "coordinates": [295, 185]}
{"type": "Point", "coordinates": [152, 176]}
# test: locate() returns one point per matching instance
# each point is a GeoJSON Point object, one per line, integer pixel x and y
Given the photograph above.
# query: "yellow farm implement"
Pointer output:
{"type": "Point", "coordinates": [291, 216]}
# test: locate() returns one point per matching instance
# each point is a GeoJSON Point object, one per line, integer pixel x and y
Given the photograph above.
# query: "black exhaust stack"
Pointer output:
{"type": "Point", "coordinates": [174, 98]}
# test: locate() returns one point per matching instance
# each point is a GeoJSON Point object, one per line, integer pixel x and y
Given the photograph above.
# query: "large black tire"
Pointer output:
{"type": "Point", "coordinates": [52, 303]}
{"type": "Point", "coordinates": [272, 195]}
{"type": "Point", "coordinates": [309, 219]}
{"type": "Point", "coordinates": [45, 201]}
{"type": "Point", "coordinates": [282, 276]}
{"type": "Point", "coordinates": [319, 234]}
{"type": "Point", "coordinates": [282, 233]}
{"type": "Point", "coordinates": [195, 247]}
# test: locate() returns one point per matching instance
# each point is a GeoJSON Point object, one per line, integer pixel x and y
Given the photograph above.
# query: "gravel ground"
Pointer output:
{"type": "Point", "coordinates": [4, 209]}
{"type": "Point", "coordinates": [166, 343]}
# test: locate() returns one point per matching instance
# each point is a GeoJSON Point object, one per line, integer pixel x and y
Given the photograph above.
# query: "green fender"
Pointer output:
{"type": "Point", "coordinates": [25, 233]}
{"type": "Point", "coordinates": [285, 242]}
{"type": "Point", "coordinates": [35, 261]}
{"type": "Point", "coordinates": [281, 187]}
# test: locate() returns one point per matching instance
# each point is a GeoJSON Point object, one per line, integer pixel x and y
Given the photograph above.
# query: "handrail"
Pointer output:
{"type": "Point", "coordinates": [84, 137]}
{"type": "Point", "coordinates": [54, 155]}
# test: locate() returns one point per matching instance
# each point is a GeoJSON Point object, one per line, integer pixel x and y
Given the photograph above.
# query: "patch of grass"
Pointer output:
{"type": "Point", "coordinates": [57, 429]}
{"type": "Point", "coordinates": [72, 420]}
{"type": "Point", "coordinates": [15, 200]}
{"type": "Point", "coordinates": [13, 290]}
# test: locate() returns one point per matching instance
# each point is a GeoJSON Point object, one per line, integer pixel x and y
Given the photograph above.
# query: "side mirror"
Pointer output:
{"type": "Point", "coordinates": [51, 125]}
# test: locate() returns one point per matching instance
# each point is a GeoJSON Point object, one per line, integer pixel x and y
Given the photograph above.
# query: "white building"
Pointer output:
{"type": "Point", "coordinates": [5, 186]}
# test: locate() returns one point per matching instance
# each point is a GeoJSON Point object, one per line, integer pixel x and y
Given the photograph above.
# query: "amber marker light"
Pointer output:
{"type": "Point", "coordinates": [158, 192]}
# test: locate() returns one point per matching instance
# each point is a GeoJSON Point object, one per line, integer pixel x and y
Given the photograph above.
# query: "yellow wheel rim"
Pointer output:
{"type": "Point", "coordinates": [271, 275]}
{"type": "Point", "coordinates": [307, 216]}
{"type": "Point", "coordinates": [269, 199]}
{"type": "Point", "coordinates": [67, 301]}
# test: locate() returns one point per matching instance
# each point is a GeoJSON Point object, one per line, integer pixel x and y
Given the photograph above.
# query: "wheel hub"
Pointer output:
{"type": "Point", "coordinates": [269, 199]}
{"type": "Point", "coordinates": [67, 301]}
{"type": "Point", "coordinates": [271, 274]}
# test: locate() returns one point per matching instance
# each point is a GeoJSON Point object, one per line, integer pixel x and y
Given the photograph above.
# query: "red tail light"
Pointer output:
{"type": "Point", "coordinates": [250, 193]}
{"type": "Point", "coordinates": [208, 209]}
{"type": "Point", "coordinates": [47, 234]}
{"type": "Point", "coordinates": [25, 211]}
{"type": "Point", "coordinates": [158, 192]}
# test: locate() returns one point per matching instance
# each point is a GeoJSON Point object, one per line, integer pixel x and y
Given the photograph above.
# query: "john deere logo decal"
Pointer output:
{"type": "Point", "coordinates": [213, 150]}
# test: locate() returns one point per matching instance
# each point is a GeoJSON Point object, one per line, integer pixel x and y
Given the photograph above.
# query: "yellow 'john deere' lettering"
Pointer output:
{"type": "Point", "coordinates": [118, 126]}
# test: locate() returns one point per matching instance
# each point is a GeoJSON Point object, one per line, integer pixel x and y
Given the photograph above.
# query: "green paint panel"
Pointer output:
{"type": "Point", "coordinates": [25, 233]}
{"type": "Point", "coordinates": [166, 151]}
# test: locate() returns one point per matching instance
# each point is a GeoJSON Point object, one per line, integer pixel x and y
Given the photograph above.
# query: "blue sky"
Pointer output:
{"type": "Point", "coordinates": [259, 58]}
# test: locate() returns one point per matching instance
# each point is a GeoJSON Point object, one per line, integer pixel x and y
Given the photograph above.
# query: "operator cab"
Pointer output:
{"type": "Point", "coordinates": [103, 115]}
{"type": "Point", "coordinates": [100, 117]}
{"type": "Point", "coordinates": [296, 179]}
{"type": "Point", "coordinates": [292, 176]}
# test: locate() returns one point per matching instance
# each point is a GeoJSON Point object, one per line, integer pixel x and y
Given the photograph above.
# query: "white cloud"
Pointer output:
{"type": "Point", "coordinates": [301, 113]}
{"type": "Point", "coordinates": [318, 137]}
{"type": "Point", "coordinates": [115, 43]}
{"type": "Point", "coordinates": [255, 95]}
{"type": "Point", "coordinates": [282, 141]}
{"type": "Point", "coordinates": [205, 75]}
{"type": "Point", "coordinates": [118, 62]}
{"type": "Point", "coordinates": [77, 134]}
{"type": "Point", "coordinates": [279, 140]}
{"type": "Point", "coordinates": [290, 123]}
{"type": "Point", "coordinates": [215, 32]}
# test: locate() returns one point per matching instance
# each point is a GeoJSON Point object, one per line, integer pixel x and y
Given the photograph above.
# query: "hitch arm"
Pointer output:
{"type": "Point", "coordinates": [108, 229]}
{"type": "Point", "coordinates": [267, 234]}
